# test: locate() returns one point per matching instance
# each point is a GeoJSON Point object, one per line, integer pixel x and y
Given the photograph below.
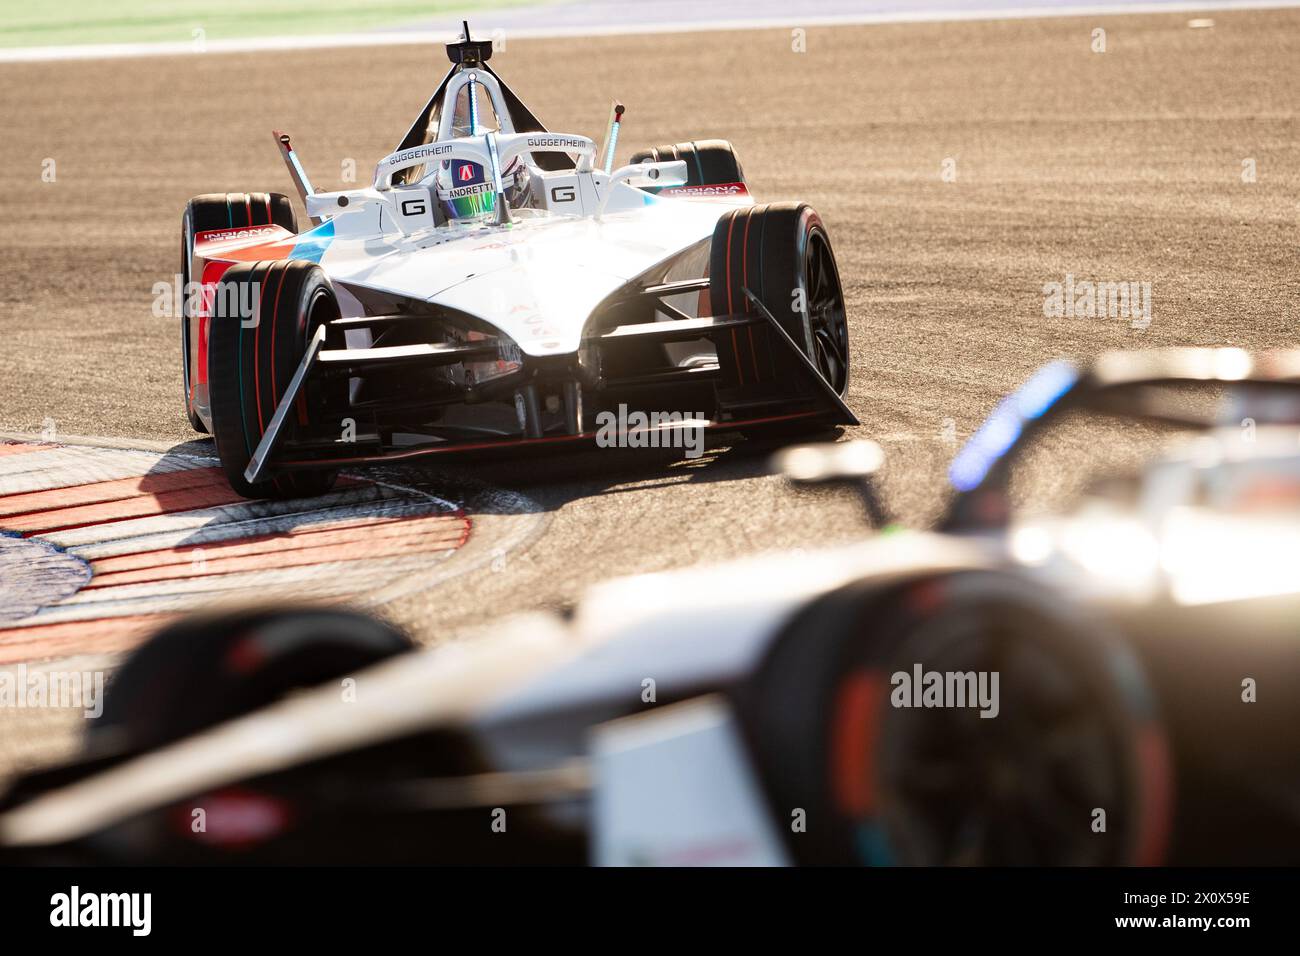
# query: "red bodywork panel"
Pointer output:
{"type": "Point", "coordinates": [215, 251]}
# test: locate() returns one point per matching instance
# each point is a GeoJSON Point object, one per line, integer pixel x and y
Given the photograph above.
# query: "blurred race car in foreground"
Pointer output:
{"type": "Point", "coordinates": [496, 287]}
{"type": "Point", "coordinates": [1113, 683]}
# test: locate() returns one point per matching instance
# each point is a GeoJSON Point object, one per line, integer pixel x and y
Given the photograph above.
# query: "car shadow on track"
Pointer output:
{"type": "Point", "coordinates": [558, 478]}
{"type": "Point", "coordinates": [554, 478]}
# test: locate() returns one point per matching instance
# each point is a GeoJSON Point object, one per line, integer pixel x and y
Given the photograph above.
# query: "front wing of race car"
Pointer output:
{"type": "Point", "coordinates": [648, 403]}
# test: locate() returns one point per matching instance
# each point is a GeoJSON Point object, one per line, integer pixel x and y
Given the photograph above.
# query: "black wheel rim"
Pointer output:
{"type": "Point", "coordinates": [827, 323]}
{"type": "Point", "coordinates": [1017, 789]}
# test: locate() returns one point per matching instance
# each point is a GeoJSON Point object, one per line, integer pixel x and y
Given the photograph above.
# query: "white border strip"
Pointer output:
{"type": "Point", "coordinates": [434, 37]}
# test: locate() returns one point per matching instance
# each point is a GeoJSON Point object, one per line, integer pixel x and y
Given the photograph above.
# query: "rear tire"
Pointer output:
{"type": "Point", "coordinates": [220, 211]}
{"type": "Point", "coordinates": [251, 361]}
{"type": "Point", "coordinates": [709, 162]}
{"type": "Point", "coordinates": [203, 671]}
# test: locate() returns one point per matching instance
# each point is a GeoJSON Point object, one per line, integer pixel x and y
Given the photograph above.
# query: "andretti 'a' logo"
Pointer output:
{"type": "Point", "coordinates": [466, 173]}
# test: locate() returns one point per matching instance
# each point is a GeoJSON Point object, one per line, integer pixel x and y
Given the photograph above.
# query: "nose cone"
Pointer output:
{"type": "Point", "coordinates": [543, 306]}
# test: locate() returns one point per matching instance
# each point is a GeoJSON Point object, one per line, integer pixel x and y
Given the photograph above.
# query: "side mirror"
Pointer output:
{"type": "Point", "coordinates": [850, 463]}
{"type": "Point", "coordinates": [670, 173]}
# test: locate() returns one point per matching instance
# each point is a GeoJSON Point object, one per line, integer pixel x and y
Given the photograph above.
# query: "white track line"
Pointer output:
{"type": "Point", "coordinates": [52, 470]}
{"type": "Point", "coordinates": [438, 37]}
{"type": "Point", "coordinates": [217, 532]}
{"type": "Point", "coordinates": [323, 579]}
{"type": "Point", "coordinates": [329, 581]}
{"type": "Point", "coordinates": [192, 449]}
{"type": "Point", "coordinates": [204, 517]}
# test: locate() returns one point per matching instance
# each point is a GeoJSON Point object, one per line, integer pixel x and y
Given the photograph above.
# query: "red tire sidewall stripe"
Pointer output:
{"type": "Point", "coordinates": [744, 284]}
{"type": "Point", "coordinates": [735, 342]}
{"type": "Point", "coordinates": [275, 312]}
{"type": "Point", "coordinates": [257, 354]}
{"type": "Point", "coordinates": [855, 744]}
{"type": "Point", "coordinates": [288, 484]}
{"type": "Point", "coordinates": [731, 225]}
{"type": "Point", "coordinates": [1156, 782]}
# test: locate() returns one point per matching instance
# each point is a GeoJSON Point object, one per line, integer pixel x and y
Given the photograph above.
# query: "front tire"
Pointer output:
{"type": "Point", "coordinates": [203, 214]}
{"type": "Point", "coordinates": [840, 729]}
{"type": "Point", "coordinates": [252, 357]}
{"type": "Point", "coordinates": [782, 254]}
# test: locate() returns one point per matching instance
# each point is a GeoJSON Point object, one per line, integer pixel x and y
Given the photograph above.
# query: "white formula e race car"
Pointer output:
{"type": "Point", "coordinates": [498, 285]}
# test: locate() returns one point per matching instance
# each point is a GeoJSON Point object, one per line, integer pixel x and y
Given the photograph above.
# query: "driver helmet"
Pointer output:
{"type": "Point", "coordinates": [466, 191]}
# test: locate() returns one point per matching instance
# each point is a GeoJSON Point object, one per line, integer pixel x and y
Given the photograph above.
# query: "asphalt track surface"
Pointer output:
{"type": "Point", "coordinates": [1123, 165]}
